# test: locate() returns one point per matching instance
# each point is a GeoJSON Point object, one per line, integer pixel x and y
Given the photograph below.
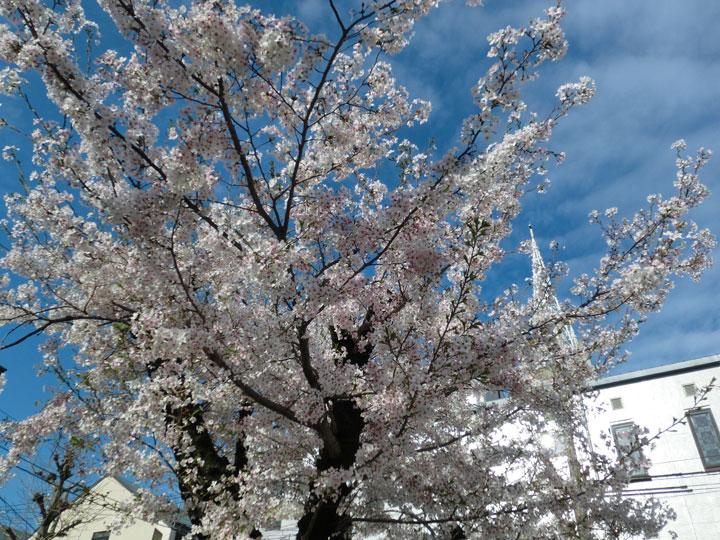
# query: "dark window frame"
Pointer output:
{"type": "Point", "coordinates": [637, 475]}
{"type": "Point", "coordinates": [491, 396]}
{"type": "Point", "coordinates": [101, 535]}
{"type": "Point", "coordinates": [713, 424]}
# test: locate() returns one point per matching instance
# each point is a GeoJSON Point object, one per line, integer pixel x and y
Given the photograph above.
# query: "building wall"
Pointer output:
{"type": "Point", "coordinates": [653, 398]}
{"type": "Point", "coordinates": [100, 513]}
{"type": "Point", "coordinates": [285, 529]}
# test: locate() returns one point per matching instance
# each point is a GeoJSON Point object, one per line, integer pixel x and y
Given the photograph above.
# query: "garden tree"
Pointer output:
{"type": "Point", "coordinates": [53, 504]}
{"type": "Point", "coordinates": [273, 301]}
{"type": "Point", "coordinates": [55, 487]}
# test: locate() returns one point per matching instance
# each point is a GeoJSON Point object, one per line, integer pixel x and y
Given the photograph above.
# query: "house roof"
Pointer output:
{"type": "Point", "coordinates": [657, 372]}
{"type": "Point", "coordinates": [124, 483]}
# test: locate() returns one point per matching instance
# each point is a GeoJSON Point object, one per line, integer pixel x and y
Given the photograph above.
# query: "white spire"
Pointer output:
{"type": "Point", "coordinates": [543, 295]}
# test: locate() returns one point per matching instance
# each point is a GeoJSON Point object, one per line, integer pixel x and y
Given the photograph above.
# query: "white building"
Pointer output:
{"type": "Point", "coordinates": [282, 529]}
{"type": "Point", "coordinates": [684, 468]}
{"type": "Point", "coordinates": [684, 461]}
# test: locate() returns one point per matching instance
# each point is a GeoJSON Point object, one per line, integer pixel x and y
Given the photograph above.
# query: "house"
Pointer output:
{"type": "Point", "coordinates": [684, 462]}
{"type": "Point", "coordinates": [97, 513]}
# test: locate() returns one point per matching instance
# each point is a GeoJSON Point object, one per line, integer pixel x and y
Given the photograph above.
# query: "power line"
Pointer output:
{"type": "Point", "coordinates": [684, 492]}
{"type": "Point", "coordinates": [18, 514]}
{"type": "Point", "coordinates": [23, 458]}
{"type": "Point", "coordinates": [680, 474]}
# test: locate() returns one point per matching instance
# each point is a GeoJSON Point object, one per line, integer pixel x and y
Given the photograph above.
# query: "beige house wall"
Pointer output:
{"type": "Point", "coordinates": [100, 512]}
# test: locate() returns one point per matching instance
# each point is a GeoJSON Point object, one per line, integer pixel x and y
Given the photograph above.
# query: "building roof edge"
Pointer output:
{"type": "Point", "coordinates": [657, 372]}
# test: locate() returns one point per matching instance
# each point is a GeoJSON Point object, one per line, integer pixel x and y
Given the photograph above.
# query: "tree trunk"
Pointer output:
{"type": "Point", "coordinates": [323, 518]}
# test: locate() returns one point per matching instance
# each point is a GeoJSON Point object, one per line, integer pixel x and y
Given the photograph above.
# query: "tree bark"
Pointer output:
{"type": "Point", "coordinates": [323, 518]}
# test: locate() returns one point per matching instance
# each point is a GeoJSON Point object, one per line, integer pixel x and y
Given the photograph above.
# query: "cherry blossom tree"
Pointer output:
{"type": "Point", "coordinates": [257, 292]}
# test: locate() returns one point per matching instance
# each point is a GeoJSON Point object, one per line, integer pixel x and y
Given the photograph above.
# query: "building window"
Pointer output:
{"type": "Point", "coordinates": [157, 535]}
{"type": "Point", "coordinates": [705, 432]}
{"type": "Point", "coordinates": [616, 403]}
{"type": "Point", "coordinates": [627, 444]}
{"type": "Point", "coordinates": [182, 532]}
{"type": "Point", "coordinates": [495, 395]}
{"type": "Point", "coordinates": [689, 389]}
{"type": "Point", "coordinates": [102, 535]}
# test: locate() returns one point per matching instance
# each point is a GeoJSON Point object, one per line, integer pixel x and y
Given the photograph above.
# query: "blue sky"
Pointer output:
{"type": "Point", "coordinates": [657, 68]}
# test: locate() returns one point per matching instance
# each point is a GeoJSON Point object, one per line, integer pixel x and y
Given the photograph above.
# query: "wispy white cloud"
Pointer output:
{"type": "Point", "coordinates": [656, 68]}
